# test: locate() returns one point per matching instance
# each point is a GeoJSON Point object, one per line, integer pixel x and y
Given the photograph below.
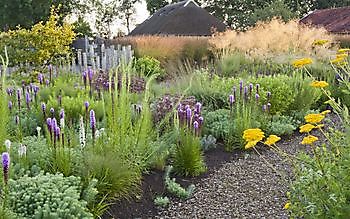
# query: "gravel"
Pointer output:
{"type": "Point", "coordinates": [246, 187]}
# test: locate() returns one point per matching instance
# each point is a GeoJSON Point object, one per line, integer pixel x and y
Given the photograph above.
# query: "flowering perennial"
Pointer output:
{"type": "Point", "coordinates": [299, 63]}
{"type": "Point", "coordinates": [310, 139]}
{"type": "Point", "coordinates": [306, 128]}
{"type": "Point", "coordinates": [319, 84]}
{"type": "Point", "coordinates": [272, 139]}
{"type": "Point", "coordinates": [314, 118]}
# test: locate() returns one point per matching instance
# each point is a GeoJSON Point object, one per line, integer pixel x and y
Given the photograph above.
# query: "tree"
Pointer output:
{"type": "Point", "coordinates": [106, 13]}
{"type": "Point", "coordinates": [127, 9]}
{"type": "Point", "coordinates": [26, 13]}
{"type": "Point", "coordinates": [82, 28]}
{"type": "Point", "coordinates": [277, 8]}
{"type": "Point", "coordinates": [155, 5]}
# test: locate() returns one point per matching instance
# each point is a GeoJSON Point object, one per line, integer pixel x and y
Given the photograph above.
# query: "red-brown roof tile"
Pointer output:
{"type": "Point", "coordinates": [335, 20]}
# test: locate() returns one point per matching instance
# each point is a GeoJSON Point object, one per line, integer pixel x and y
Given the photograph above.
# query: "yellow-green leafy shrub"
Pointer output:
{"type": "Point", "coordinates": [40, 44]}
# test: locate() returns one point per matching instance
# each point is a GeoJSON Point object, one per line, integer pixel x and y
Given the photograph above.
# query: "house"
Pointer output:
{"type": "Point", "coordinates": [185, 18]}
{"type": "Point", "coordinates": [335, 20]}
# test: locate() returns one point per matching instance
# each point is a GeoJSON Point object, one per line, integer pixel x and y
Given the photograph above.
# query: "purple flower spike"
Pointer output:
{"type": "Point", "coordinates": [40, 78]}
{"type": "Point", "coordinates": [28, 99]}
{"type": "Point", "coordinates": [43, 107]}
{"type": "Point", "coordinates": [187, 107]}
{"type": "Point", "coordinates": [18, 94]}
{"type": "Point", "coordinates": [92, 119]}
{"type": "Point", "coordinates": [264, 108]}
{"type": "Point", "coordinates": [232, 99]}
{"type": "Point", "coordinates": [250, 88]}
{"type": "Point", "coordinates": [198, 107]}
{"type": "Point", "coordinates": [10, 105]}
{"type": "Point", "coordinates": [49, 124]}
{"type": "Point", "coordinates": [36, 89]}
{"type": "Point", "coordinates": [17, 120]}
{"type": "Point", "coordinates": [52, 110]}
{"type": "Point", "coordinates": [257, 88]}
{"type": "Point", "coordinates": [240, 87]}
{"type": "Point", "coordinates": [47, 81]}
{"type": "Point", "coordinates": [90, 74]}
{"type": "Point", "coordinates": [268, 95]}
{"type": "Point", "coordinates": [188, 113]}
{"type": "Point", "coordinates": [257, 97]}
{"type": "Point", "coordinates": [62, 114]}
{"type": "Point", "coordinates": [268, 107]}
{"type": "Point", "coordinates": [5, 159]}
{"type": "Point", "coordinates": [200, 119]}
{"type": "Point", "coordinates": [196, 125]}
{"type": "Point", "coordinates": [53, 124]}
{"type": "Point", "coordinates": [86, 105]}
{"type": "Point", "coordinates": [58, 132]}
{"type": "Point", "coordinates": [245, 92]}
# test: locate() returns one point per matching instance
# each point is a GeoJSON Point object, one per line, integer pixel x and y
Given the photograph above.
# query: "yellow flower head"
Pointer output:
{"type": "Point", "coordinates": [320, 42]}
{"type": "Point", "coordinates": [343, 50]}
{"type": "Point", "coordinates": [338, 61]}
{"type": "Point", "coordinates": [306, 128]}
{"type": "Point", "coordinates": [319, 84]}
{"type": "Point", "coordinates": [250, 144]}
{"type": "Point", "coordinates": [314, 118]}
{"type": "Point", "coordinates": [252, 137]}
{"type": "Point", "coordinates": [325, 112]}
{"type": "Point", "coordinates": [310, 139]}
{"type": "Point", "coordinates": [342, 56]}
{"type": "Point", "coordinates": [287, 205]}
{"type": "Point", "coordinates": [299, 63]}
{"type": "Point", "coordinates": [272, 139]}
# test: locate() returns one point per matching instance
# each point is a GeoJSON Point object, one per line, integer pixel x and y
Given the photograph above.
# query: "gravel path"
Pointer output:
{"type": "Point", "coordinates": [246, 187]}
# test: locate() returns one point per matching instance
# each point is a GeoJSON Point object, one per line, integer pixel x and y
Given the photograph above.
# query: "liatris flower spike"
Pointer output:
{"type": "Point", "coordinates": [90, 74]}
{"type": "Point", "coordinates": [5, 159]}
{"type": "Point", "coordinates": [93, 123]}
{"type": "Point", "coordinates": [19, 98]}
{"type": "Point", "coordinates": [40, 78]}
{"type": "Point", "coordinates": [47, 81]}
{"type": "Point", "coordinates": [232, 100]}
{"type": "Point", "coordinates": [245, 93]}
{"type": "Point", "coordinates": [86, 105]}
{"type": "Point", "coordinates": [250, 88]}
{"type": "Point", "coordinates": [240, 87]}
{"type": "Point", "coordinates": [22, 150]}
{"type": "Point", "coordinates": [257, 88]}
{"type": "Point", "coordinates": [268, 95]}
{"type": "Point", "coordinates": [17, 120]}
{"type": "Point", "coordinates": [52, 111]}
{"type": "Point", "coordinates": [49, 124]}
{"type": "Point", "coordinates": [257, 97]}
{"type": "Point", "coordinates": [84, 78]}
{"type": "Point", "coordinates": [28, 99]}
{"type": "Point", "coordinates": [198, 107]}
{"type": "Point", "coordinates": [10, 105]}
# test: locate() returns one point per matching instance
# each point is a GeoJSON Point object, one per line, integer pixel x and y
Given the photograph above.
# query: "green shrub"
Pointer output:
{"type": "Point", "coordinates": [208, 143]}
{"type": "Point", "coordinates": [161, 201]}
{"type": "Point", "coordinates": [48, 196]}
{"type": "Point", "coordinates": [282, 93]}
{"type": "Point", "coordinates": [217, 123]}
{"type": "Point", "coordinates": [188, 159]}
{"type": "Point", "coordinates": [148, 66]}
{"type": "Point", "coordinates": [175, 188]}
{"type": "Point", "coordinates": [281, 125]}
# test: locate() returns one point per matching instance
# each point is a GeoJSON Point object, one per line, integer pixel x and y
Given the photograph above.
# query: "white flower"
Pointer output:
{"type": "Point", "coordinates": [22, 150]}
{"type": "Point", "coordinates": [82, 133]}
{"type": "Point", "coordinates": [62, 123]}
{"type": "Point", "coordinates": [8, 145]}
{"type": "Point", "coordinates": [38, 129]}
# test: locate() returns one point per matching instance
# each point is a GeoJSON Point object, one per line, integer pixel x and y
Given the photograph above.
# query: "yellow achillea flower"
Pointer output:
{"type": "Point", "coordinates": [338, 61]}
{"type": "Point", "coordinates": [287, 205]}
{"type": "Point", "coordinates": [319, 84]}
{"type": "Point", "coordinates": [306, 128]}
{"type": "Point", "coordinates": [325, 112]}
{"type": "Point", "coordinates": [252, 136]}
{"type": "Point", "coordinates": [314, 118]}
{"type": "Point", "coordinates": [342, 56]}
{"type": "Point", "coordinates": [310, 139]}
{"type": "Point", "coordinates": [343, 50]}
{"type": "Point", "coordinates": [272, 139]}
{"type": "Point", "coordinates": [299, 63]}
{"type": "Point", "coordinates": [250, 144]}
{"type": "Point", "coordinates": [320, 42]}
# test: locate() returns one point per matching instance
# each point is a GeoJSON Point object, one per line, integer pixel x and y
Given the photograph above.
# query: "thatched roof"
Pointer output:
{"type": "Point", "coordinates": [335, 20]}
{"type": "Point", "coordinates": [184, 18]}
